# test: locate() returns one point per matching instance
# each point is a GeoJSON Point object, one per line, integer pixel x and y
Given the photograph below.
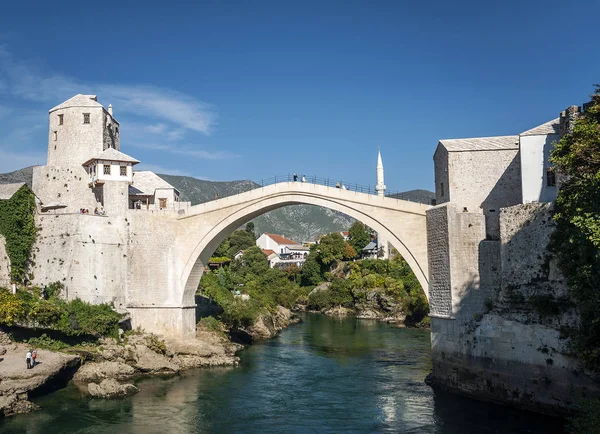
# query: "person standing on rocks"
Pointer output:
{"type": "Point", "coordinates": [28, 359]}
{"type": "Point", "coordinates": [33, 357]}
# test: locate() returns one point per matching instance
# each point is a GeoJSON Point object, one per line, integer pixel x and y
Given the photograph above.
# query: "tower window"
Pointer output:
{"type": "Point", "coordinates": [86, 118]}
{"type": "Point", "coordinates": [550, 177]}
{"type": "Point", "coordinates": [442, 188]}
{"type": "Point", "coordinates": [123, 170]}
{"type": "Point", "coordinates": [107, 169]}
{"type": "Point", "coordinates": [60, 119]}
{"type": "Point", "coordinates": [55, 135]}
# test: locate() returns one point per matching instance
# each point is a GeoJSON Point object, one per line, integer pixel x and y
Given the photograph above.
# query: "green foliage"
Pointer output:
{"type": "Point", "coordinates": [17, 225]}
{"type": "Point", "coordinates": [359, 236]}
{"type": "Point", "coordinates": [587, 419]}
{"type": "Point", "coordinates": [331, 248]}
{"type": "Point", "coordinates": [576, 240]}
{"type": "Point", "coordinates": [47, 343]}
{"type": "Point", "coordinates": [212, 324]}
{"type": "Point", "coordinates": [156, 344]}
{"type": "Point", "coordinates": [74, 318]}
{"type": "Point", "coordinates": [349, 253]}
{"type": "Point", "coordinates": [220, 259]}
{"type": "Point", "coordinates": [250, 229]}
{"type": "Point", "coordinates": [310, 275]}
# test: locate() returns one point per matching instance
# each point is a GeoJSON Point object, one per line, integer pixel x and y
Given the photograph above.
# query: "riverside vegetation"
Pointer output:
{"type": "Point", "coordinates": [331, 281]}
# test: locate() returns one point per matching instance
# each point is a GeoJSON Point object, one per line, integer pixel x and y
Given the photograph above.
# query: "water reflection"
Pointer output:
{"type": "Point", "coordinates": [325, 375]}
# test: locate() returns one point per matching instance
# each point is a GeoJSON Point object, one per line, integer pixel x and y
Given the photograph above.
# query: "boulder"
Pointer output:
{"type": "Point", "coordinates": [96, 372]}
{"type": "Point", "coordinates": [110, 388]}
{"type": "Point", "coordinates": [148, 361]}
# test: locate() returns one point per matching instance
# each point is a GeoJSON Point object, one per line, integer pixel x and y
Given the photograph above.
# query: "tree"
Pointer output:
{"type": "Point", "coordinates": [250, 228]}
{"type": "Point", "coordinates": [349, 252]}
{"type": "Point", "coordinates": [240, 240]}
{"type": "Point", "coordinates": [359, 236]}
{"type": "Point", "coordinates": [331, 248]}
{"type": "Point", "coordinates": [576, 240]}
{"type": "Point", "coordinates": [255, 261]}
{"type": "Point", "coordinates": [310, 274]}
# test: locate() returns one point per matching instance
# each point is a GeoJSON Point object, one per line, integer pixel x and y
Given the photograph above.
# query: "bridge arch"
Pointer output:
{"type": "Point", "coordinates": [401, 223]}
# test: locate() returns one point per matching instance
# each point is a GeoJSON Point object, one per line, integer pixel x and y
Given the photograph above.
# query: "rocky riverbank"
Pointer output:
{"type": "Point", "coordinates": [108, 370]}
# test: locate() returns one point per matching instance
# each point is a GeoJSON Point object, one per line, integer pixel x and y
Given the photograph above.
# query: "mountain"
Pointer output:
{"type": "Point", "coordinates": [298, 222]}
{"type": "Point", "coordinates": [422, 196]}
{"type": "Point", "coordinates": [22, 175]}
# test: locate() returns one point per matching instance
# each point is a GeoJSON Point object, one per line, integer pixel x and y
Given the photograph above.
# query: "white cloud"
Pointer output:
{"type": "Point", "coordinates": [27, 81]}
{"type": "Point", "coordinates": [166, 170]}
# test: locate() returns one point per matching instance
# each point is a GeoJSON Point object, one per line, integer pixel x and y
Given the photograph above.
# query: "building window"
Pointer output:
{"type": "Point", "coordinates": [162, 203]}
{"type": "Point", "coordinates": [107, 169]}
{"type": "Point", "coordinates": [86, 118]}
{"type": "Point", "coordinates": [60, 119]}
{"type": "Point", "coordinates": [442, 188]}
{"type": "Point", "coordinates": [550, 177]}
{"type": "Point", "coordinates": [55, 133]}
{"type": "Point", "coordinates": [116, 130]}
{"type": "Point", "coordinates": [123, 170]}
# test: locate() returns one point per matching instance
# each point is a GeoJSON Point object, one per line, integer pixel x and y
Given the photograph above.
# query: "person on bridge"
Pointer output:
{"type": "Point", "coordinates": [343, 186]}
{"type": "Point", "coordinates": [303, 178]}
{"type": "Point", "coordinates": [295, 177]}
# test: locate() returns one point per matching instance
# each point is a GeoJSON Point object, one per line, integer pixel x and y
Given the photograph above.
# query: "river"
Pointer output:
{"type": "Point", "coordinates": [323, 375]}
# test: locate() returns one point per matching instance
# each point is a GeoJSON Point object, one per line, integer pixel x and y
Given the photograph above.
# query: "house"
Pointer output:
{"type": "Point", "coordinates": [370, 251]}
{"type": "Point", "coordinates": [150, 191]}
{"type": "Point", "coordinates": [345, 235]}
{"type": "Point", "coordinates": [288, 251]}
{"type": "Point", "coordinates": [484, 174]}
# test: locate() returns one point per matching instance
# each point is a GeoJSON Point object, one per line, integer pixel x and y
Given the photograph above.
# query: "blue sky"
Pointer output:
{"type": "Point", "coordinates": [245, 90]}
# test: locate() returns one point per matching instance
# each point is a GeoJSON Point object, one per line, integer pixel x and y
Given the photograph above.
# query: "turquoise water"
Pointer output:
{"type": "Point", "coordinates": [323, 375]}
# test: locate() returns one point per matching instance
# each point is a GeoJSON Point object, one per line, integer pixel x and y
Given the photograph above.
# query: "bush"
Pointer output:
{"type": "Point", "coordinates": [156, 344]}
{"type": "Point", "coordinates": [212, 324]}
{"type": "Point", "coordinates": [47, 343]}
{"type": "Point", "coordinates": [74, 318]}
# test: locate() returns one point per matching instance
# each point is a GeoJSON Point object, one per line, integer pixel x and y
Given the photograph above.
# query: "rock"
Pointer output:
{"type": "Point", "coordinates": [15, 404]}
{"type": "Point", "coordinates": [148, 361]}
{"type": "Point", "coordinates": [97, 371]}
{"type": "Point", "coordinates": [3, 351]}
{"type": "Point", "coordinates": [4, 339]}
{"type": "Point", "coordinates": [110, 388]}
{"type": "Point", "coordinates": [268, 325]}
{"type": "Point", "coordinates": [339, 311]}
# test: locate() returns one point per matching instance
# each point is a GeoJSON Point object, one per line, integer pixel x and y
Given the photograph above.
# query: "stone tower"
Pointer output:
{"type": "Point", "coordinates": [380, 187]}
{"type": "Point", "coordinates": [79, 129]}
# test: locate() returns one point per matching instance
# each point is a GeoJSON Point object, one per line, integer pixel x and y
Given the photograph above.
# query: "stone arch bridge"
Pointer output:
{"type": "Point", "coordinates": [172, 253]}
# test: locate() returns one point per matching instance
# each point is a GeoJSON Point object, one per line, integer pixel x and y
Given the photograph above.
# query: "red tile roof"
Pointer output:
{"type": "Point", "coordinates": [268, 252]}
{"type": "Point", "coordinates": [345, 233]}
{"type": "Point", "coordinates": [280, 240]}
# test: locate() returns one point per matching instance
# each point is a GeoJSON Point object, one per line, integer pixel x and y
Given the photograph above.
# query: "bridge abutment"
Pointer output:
{"type": "Point", "coordinates": [176, 321]}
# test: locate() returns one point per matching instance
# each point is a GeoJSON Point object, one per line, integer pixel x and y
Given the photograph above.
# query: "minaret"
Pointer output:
{"type": "Point", "coordinates": [380, 187]}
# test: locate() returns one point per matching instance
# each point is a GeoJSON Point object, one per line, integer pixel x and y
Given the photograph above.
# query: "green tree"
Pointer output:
{"type": "Point", "coordinates": [576, 240]}
{"type": "Point", "coordinates": [331, 248]}
{"type": "Point", "coordinates": [310, 274]}
{"type": "Point", "coordinates": [255, 261]}
{"type": "Point", "coordinates": [359, 235]}
{"type": "Point", "coordinates": [250, 228]}
{"type": "Point", "coordinates": [240, 240]}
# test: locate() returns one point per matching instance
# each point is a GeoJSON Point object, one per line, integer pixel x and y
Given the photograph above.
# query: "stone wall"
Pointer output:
{"type": "Point", "coordinates": [500, 344]}
{"type": "Point", "coordinates": [438, 255]}
{"type": "Point", "coordinates": [64, 185]}
{"type": "Point", "coordinates": [4, 264]}
{"type": "Point", "coordinates": [442, 180]}
{"type": "Point", "coordinates": [484, 182]}
{"type": "Point", "coordinates": [88, 254]}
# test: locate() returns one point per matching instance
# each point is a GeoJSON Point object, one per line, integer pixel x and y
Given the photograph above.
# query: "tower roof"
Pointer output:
{"type": "Point", "coordinates": [550, 127]}
{"type": "Point", "coordinates": [79, 100]}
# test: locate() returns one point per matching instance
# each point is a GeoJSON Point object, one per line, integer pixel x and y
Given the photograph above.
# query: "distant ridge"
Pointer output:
{"type": "Point", "coordinates": [22, 175]}
{"type": "Point", "coordinates": [421, 196]}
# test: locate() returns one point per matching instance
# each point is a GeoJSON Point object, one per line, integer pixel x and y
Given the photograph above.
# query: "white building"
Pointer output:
{"type": "Point", "coordinates": [86, 169]}
{"type": "Point", "coordinates": [150, 191]}
{"type": "Point", "coordinates": [538, 180]}
{"type": "Point", "coordinates": [288, 251]}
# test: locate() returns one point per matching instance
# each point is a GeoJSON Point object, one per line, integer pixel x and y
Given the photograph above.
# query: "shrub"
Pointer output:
{"type": "Point", "coordinates": [156, 344]}
{"type": "Point", "coordinates": [212, 324]}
